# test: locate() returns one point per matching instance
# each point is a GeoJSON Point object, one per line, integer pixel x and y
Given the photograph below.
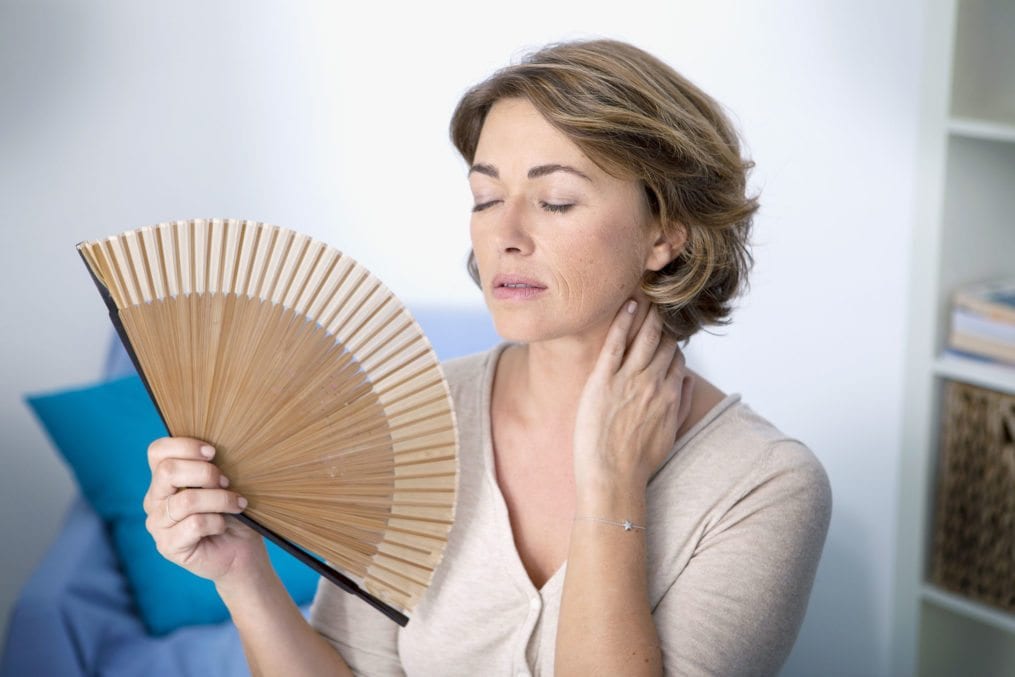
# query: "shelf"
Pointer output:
{"type": "Point", "coordinates": [962, 605]}
{"type": "Point", "coordinates": [997, 377]}
{"type": "Point", "coordinates": [963, 233]}
{"type": "Point", "coordinates": [983, 73]}
{"type": "Point", "coordinates": [988, 130]}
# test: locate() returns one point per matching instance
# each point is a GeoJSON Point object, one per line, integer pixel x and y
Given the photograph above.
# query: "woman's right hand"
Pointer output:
{"type": "Point", "coordinates": [185, 502]}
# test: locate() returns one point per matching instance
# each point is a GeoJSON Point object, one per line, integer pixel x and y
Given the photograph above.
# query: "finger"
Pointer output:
{"type": "Point", "coordinates": [187, 502]}
{"type": "Point", "coordinates": [178, 473]}
{"type": "Point", "coordinates": [686, 395]}
{"type": "Point", "coordinates": [178, 447]}
{"type": "Point", "coordinates": [666, 355]}
{"type": "Point", "coordinates": [678, 362]}
{"type": "Point", "coordinates": [646, 342]}
{"type": "Point", "coordinates": [612, 354]}
{"type": "Point", "coordinates": [185, 535]}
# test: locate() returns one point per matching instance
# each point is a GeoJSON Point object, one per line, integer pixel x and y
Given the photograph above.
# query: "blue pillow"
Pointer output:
{"type": "Point", "coordinates": [103, 432]}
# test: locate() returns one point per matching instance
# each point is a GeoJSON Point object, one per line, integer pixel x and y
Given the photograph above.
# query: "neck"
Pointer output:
{"type": "Point", "coordinates": [545, 379]}
{"type": "Point", "coordinates": [548, 379]}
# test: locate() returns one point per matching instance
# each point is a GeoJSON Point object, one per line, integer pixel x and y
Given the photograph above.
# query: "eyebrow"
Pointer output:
{"type": "Point", "coordinates": [534, 173]}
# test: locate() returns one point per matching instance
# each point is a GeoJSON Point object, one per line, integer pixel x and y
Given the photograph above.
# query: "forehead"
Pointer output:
{"type": "Point", "coordinates": [515, 131]}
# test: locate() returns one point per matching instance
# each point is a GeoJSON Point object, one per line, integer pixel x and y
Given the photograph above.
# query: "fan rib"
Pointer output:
{"type": "Point", "coordinates": [251, 252]}
{"type": "Point", "coordinates": [333, 296]}
{"type": "Point", "coordinates": [315, 304]}
{"type": "Point", "coordinates": [311, 283]}
{"type": "Point", "coordinates": [356, 347]}
{"type": "Point", "coordinates": [177, 239]}
{"type": "Point", "coordinates": [291, 269]}
{"type": "Point", "coordinates": [339, 331]}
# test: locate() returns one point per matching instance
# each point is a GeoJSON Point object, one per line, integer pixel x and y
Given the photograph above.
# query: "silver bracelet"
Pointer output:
{"type": "Point", "coordinates": [627, 524]}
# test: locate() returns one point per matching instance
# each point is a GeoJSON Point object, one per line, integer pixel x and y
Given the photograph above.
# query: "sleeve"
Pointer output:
{"type": "Point", "coordinates": [737, 606]}
{"type": "Point", "coordinates": [366, 639]}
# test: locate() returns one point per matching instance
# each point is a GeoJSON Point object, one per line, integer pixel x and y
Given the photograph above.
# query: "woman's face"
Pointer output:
{"type": "Point", "coordinates": [559, 243]}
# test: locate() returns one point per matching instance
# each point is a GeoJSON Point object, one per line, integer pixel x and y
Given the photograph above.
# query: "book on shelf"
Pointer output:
{"type": "Point", "coordinates": [993, 299]}
{"type": "Point", "coordinates": [983, 321]}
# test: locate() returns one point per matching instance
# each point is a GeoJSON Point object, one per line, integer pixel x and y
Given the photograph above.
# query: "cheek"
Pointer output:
{"type": "Point", "coordinates": [479, 246]}
{"type": "Point", "coordinates": [473, 234]}
{"type": "Point", "coordinates": [624, 260]}
{"type": "Point", "coordinates": [601, 272]}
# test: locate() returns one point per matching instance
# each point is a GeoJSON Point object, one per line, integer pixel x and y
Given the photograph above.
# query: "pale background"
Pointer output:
{"type": "Point", "coordinates": [334, 122]}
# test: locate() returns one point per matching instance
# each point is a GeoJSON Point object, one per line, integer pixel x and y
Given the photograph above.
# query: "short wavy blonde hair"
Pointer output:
{"type": "Point", "coordinates": [637, 118]}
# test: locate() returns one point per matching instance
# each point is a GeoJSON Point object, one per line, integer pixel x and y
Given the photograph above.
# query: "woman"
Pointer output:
{"type": "Point", "coordinates": [618, 514]}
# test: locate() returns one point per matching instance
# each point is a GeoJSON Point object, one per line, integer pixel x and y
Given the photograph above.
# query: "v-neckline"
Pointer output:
{"type": "Point", "coordinates": [490, 471]}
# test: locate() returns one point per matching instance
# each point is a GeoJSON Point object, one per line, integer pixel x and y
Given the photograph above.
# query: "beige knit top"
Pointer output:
{"type": "Point", "coordinates": [736, 518]}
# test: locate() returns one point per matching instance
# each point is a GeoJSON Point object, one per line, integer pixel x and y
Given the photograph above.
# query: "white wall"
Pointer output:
{"type": "Point", "coordinates": [334, 122]}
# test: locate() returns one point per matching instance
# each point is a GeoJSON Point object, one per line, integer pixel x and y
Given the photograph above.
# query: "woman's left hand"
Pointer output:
{"type": "Point", "coordinates": [633, 404]}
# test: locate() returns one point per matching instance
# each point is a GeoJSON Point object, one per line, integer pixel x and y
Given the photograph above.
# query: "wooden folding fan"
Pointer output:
{"type": "Point", "coordinates": [322, 396]}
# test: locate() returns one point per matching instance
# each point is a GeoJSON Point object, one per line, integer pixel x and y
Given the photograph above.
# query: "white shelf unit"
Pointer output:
{"type": "Point", "coordinates": [982, 129]}
{"type": "Point", "coordinates": [994, 376]}
{"type": "Point", "coordinates": [964, 232]}
{"type": "Point", "coordinates": [968, 608]}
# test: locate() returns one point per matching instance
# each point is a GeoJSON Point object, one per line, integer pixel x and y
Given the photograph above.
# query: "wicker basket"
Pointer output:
{"type": "Point", "coordinates": [974, 536]}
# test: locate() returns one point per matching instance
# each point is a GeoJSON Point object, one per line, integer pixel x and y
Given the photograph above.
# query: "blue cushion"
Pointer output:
{"type": "Point", "coordinates": [103, 432]}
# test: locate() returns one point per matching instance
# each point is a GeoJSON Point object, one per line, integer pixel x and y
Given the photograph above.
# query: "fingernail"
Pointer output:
{"type": "Point", "coordinates": [207, 451]}
{"type": "Point", "coordinates": [242, 503]}
{"type": "Point", "coordinates": [223, 481]}
{"type": "Point", "coordinates": [632, 306]}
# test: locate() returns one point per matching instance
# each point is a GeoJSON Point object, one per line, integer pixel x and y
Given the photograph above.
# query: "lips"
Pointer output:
{"type": "Point", "coordinates": [516, 288]}
{"type": "Point", "coordinates": [516, 282]}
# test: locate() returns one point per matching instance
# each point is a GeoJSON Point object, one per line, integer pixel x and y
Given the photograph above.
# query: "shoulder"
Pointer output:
{"type": "Point", "coordinates": [468, 373]}
{"type": "Point", "coordinates": [467, 368]}
{"type": "Point", "coordinates": [742, 516]}
{"type": "Point", "coordinates": [467, 379]}
{"type": "Point", "coordinates": [786, 463]}
{"type": "Point", "coordinates": [740, 456]}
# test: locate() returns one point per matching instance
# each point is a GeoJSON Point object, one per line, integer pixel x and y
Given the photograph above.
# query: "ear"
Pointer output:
{"type": "Point", "coordinates": [666, 246]}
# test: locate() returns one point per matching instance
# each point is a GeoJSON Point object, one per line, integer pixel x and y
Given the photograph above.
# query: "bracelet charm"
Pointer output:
{"type": "Point", "coordinates": [627, 524]}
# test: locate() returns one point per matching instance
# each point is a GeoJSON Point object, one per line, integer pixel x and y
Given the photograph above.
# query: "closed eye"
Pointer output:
{"type": "Point", "coordinates": [483, 205]}
{"type": "Point", "coordinates": [556, 209]}
{"type": "Point", "coordinates": [548, 206]}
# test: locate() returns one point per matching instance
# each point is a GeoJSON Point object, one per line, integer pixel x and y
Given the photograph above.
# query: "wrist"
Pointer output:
{"type": "Point", "coordinates": [612, 500]}
{"type": "Point", "coordinates": [607, 484]}
{"type": "Point", "coordinates": [245, 577]}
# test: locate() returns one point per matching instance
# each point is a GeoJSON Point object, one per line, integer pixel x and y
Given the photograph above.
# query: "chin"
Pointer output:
{"type": "Point", "coordinates": [517, 331]}
{"type": "Point", "coordinates": [521, 327]}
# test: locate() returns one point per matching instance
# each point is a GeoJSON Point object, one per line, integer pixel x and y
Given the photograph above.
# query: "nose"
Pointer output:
{"type": "Point", "coordinates": [511, 229]}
